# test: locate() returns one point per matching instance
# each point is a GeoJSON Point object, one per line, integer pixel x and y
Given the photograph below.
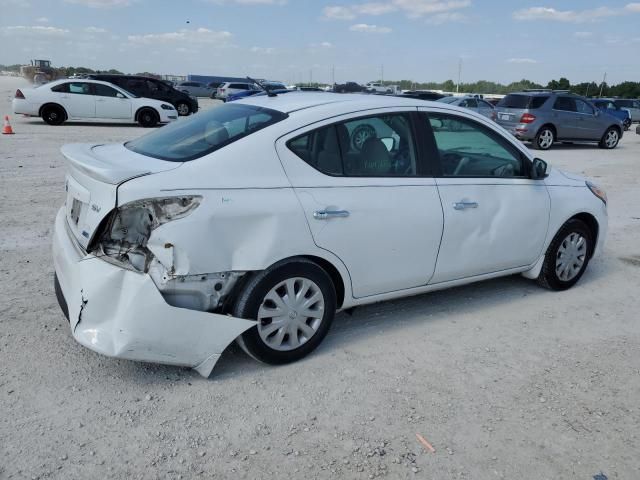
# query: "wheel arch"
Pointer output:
{"type": "Point", "coordinates": [592, 223]}
{"type": "Point", "coordinates": [53, 104]}
{"type": "Point", "coordinates": [552, 127]}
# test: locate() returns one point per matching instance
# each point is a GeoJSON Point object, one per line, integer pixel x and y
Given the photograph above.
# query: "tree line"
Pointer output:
{"type": "Point", "coordinates": [588, 89]}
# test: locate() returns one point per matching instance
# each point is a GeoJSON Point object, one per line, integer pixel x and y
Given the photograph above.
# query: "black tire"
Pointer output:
{"type": "Point", "coordinates": [549, 277]}
{"type": "Point", "coordinates": [148, 118]}
{"type": "Point", "coordinates": [53, 115]}
{"type": "Point", "coordinates": [610, 139]}
{"type": "Point", "coordinates": [183, 109]}
{"type": "Point", "coordinates": [626, 125]}
{"type": "Point", "coordinates": [541, 140]}
{"type": "Point", "coordinates": [253, 295]}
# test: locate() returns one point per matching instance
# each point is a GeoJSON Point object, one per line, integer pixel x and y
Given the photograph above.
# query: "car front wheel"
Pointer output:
{"type": "Point", "coordinates": [148, 118]}
{"type": "Point", "coordinates": [183, 109]}
{"type": "Point", "coordinates": [294, 304]}
{"type": "Point", "coordinates": [610, 139]}
{"type": "Point", "coordinates": [567, 256]}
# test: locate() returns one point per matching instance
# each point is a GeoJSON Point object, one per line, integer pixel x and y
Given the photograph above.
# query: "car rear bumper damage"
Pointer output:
{"type": "Point", "coordinates": [120, 313]}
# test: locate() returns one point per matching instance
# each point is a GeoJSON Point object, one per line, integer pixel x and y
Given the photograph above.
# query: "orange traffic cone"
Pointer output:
{"type": "Point", "coordinates": [6, 129]}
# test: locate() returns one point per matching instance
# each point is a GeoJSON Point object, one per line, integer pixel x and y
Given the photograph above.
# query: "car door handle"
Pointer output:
{"type": "Point", "coordinates": [325, 214]}
{"type": "Point", "coordinates": [464, 205]}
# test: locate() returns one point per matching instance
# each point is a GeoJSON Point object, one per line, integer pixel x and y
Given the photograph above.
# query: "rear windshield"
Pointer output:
{"type": "Point", "coordinates": [523, 101]}
{"type": "Point", "coordinates": [205, 132]}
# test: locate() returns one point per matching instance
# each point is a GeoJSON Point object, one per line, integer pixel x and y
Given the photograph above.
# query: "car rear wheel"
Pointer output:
{"type": "Point", "coordinates": [53, 115]}
{"type": "Point", "coordinates": [567, 256]}
{"type": "Point", "coordinates": [147, 118]}
{"type": "Point", "coordinates": [183, 108]}
{"type": "Point", "coordinates": [544, 139]}
{"type": "Point", "coordinates": [610, 138]}
{"type": "Point", "coordinates": [294, 304]}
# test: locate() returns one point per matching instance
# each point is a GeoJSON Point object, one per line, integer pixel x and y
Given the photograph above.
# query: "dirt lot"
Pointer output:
{"type": "Point", "coordinates": [506, 380]}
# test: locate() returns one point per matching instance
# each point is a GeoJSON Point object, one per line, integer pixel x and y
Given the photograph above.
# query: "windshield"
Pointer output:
{"type": "Point", "coordinates": [205, 132]}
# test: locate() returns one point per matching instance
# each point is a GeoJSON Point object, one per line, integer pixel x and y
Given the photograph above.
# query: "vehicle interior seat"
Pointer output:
{"type": "Point", "coordinates": [374, 158]}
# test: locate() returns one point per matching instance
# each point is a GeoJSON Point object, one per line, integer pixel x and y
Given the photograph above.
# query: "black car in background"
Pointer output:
{"type": "Point", "coordinates": [349, 87]}
{"type": "Point", "coordinates": [422, 95]}
{"type": "Point", "coordinates": [151, 88]}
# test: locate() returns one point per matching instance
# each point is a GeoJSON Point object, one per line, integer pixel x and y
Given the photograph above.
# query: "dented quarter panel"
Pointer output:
{"type": "Point", "coordinates": [121, 313]}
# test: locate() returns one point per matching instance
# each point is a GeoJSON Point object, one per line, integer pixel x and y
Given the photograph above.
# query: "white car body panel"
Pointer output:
{"type": "Point", "coordinates": [257, 203]}
{"type": "Point", "coordinates": [94, 108]}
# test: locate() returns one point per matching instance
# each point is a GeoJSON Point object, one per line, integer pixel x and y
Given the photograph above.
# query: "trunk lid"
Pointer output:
{"type": "Point", "coordinates": [93, 175]}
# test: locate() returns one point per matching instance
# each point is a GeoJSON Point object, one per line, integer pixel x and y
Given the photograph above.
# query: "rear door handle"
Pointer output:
{"type": "Point", "coordinates": [325, 214]}
{"type": "Point", "coordinates": [464, 205]}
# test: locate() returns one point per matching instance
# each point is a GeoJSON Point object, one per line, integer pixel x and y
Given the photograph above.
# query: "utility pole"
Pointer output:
{"type": "Point", "coordinates": [459, 74]}
{"type": "Point", "coordinates": [381, 73]}
{"type": "Point", "coordinates": [310, 76]}
{"type": "Point", "coordinates": [333, 74]}
{"type": "Point", "coordinates": [604, 79]}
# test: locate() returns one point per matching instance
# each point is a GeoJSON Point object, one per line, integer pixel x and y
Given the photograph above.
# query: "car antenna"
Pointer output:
{"type": "Point", "coordinates": [264, 87]}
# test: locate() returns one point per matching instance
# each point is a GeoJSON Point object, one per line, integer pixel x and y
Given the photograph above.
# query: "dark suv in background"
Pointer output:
{"type": "Point", "coordinates": [152, 88]}
{"type": "Point", "coordinates": [546, 116]}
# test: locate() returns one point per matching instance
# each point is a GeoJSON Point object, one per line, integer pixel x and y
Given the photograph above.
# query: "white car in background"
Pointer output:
{"type": "Point", "coordinates": [376, 87]}
{"type": "Point", "coordinates": [90, 101]}
{"type": "Point", "coordinates": [229, 88]}
{"type": "Point", "coordinates": [257, 220]}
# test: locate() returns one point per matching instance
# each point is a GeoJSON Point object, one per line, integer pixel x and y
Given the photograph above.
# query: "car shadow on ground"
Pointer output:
{"type": "Point", "coordinates": [82, 124]}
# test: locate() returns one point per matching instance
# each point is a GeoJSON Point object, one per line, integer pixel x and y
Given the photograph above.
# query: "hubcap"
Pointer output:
{"type": "Point", "coordinates": [53, 115]}
{"type": "Point", "coordinates": [612, 139]}
{"type": "Point", "coordinates": [571, 256]}
{"type": "Point", "coordinates": [546, 139]}
{"type": "Point", "coordinates": [183, 109]}
{"type": "Point", "coordinates": [290, 314]}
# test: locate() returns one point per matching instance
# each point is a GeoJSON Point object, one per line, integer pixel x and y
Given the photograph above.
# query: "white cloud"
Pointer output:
{"type": "Point", "coordinates": [412, 8]}
{"type": "Point", "coordinates": [198, 36]}
{"type": "Point", "coordinates": [95, 30]}
{"type": "Point", "coordinates": [446, 17]}
{"type": "Point", "coordinates": [101, 3]}
{"type": "Point", "coordinates": [34, 31]}
{"type": "Point", "coordinates": [573, 16]}
{"type": "Point", "coordinates": [263, 50]}
{"type": "Point", "coordinates": [583, 34]}
{"type": "Point", "coordinates": [321, 45]}
{"type": "Point", "coordinates": [365, 28]}
{"type": "Point", "coordinates": [42, 20]}
{"type": "Point", "coordinates": [249, 2]}
{"type": "Point", "coordinates": [632, 7]}
{"type": "Point", "coordinates": [521, 60]}
{"type": "Point", "coordinates": [339, 13]}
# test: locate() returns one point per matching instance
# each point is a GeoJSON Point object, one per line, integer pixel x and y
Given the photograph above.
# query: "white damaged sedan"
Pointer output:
{"type": "Point", "coordinates": [257, 220]}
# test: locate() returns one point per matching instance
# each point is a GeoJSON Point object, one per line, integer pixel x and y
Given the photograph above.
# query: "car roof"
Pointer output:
{"type": "Point", "coordinates": [297, 100]}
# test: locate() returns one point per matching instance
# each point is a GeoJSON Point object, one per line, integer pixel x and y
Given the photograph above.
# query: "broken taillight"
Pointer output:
{"type": "Point", "coordinates": [125, 236]}
{"type": "Point", "coordinates": [19, 94]}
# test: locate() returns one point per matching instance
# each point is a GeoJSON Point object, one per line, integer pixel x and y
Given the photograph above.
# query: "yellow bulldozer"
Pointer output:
{"type": "Point", "coordinates": [39, 71]}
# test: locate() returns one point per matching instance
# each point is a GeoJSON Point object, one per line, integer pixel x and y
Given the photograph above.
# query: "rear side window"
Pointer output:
{"type": "Point", "coordinates": [376, 146]}
{"type": "Point", "coordinates": [80, 88]}
{"type": "Point", "coordinates": [62, 88]}
{"type": "Point", "coordinates": [204, 133]}
{"type": "Point", "coordinates": [104, 90]}
{"type": "Point", "coordinates": [515, 100]}
{"type": "Point", "coordinates": [565, 104]}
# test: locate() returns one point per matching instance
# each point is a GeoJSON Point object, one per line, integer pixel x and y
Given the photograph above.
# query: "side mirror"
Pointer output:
{"type": "Point", "coordinates": [538, 169]}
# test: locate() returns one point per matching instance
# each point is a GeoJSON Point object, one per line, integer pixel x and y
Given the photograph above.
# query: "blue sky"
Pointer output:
{"type": "Point", "coordinates": [295, 40]}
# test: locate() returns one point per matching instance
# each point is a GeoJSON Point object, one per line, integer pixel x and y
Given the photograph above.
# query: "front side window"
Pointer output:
{"type": "Point", "coordinates": [583, 107]}
{"type": "Point", "coordinates": [204, 133]}
{"type": "Point", "coordinates": [468, 149]}
{"type": "Point", "coordinates": [375, 146]}
{"type": "Point", "coordinates": [80, 88]}
{"type": "Point", "coordinates": [104, 90]}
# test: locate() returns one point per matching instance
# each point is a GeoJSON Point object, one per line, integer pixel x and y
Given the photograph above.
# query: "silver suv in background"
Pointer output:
{"type": "Point", "coordinates": [472, 103]}
{"type": "Point", "coordinates": [546, 116]}
{"type": "Point", "coordinates": [632, 105]}
{"type": "Point", "coordinates": [195, 89]}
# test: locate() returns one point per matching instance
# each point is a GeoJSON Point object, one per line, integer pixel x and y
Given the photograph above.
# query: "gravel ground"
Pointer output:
{"type": "Point", "coordinates": [506, 380]}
